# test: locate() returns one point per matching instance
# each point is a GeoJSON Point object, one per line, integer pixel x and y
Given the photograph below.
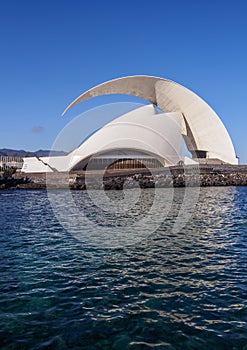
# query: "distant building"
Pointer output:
{"type": "Point", "coordinates": [7, 162]}
{"type": "Point", "coordinates": [144, 137]}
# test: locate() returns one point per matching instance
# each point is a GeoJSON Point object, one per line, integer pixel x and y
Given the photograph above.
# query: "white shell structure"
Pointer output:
{"type": "Point", "coordinates": [138, 130]}
{"type": "Point", "coordinates": [204, 130]}
{"type": "Point", "coordinates": [142, 129]}
{"type": "Point", "coordinates": [158, 135]}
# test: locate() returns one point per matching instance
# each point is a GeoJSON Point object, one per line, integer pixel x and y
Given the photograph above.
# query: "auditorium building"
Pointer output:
{"type": "Point", "coordinates": [148, 136]}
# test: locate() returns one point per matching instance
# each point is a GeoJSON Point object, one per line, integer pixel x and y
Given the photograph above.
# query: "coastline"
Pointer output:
{"type": "Point", "coordinates": [176, 176]}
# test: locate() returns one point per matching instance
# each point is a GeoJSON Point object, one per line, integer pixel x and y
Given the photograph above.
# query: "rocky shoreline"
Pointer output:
{"type": "Point", "coordinates": [163, 181]}
{"type": "Point", "coordinates": [13, 183]}
{"type": "Point", "coordinates": [178, 176]}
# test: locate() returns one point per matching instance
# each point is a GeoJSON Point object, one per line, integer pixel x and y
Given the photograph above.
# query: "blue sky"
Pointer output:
{"type": "Point", "coordinates": [53, 50]}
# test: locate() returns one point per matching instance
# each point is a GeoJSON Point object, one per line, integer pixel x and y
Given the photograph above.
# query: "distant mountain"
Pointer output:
{"type": "Point", "coordinates": [22, 153]}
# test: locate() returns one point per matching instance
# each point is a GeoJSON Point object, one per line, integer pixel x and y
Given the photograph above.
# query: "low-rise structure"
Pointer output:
{"type": "Point", "coordinates": [7, 162]}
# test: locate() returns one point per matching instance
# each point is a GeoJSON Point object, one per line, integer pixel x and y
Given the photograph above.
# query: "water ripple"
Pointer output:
{"type": "Point", "coordinates": [171, 291]}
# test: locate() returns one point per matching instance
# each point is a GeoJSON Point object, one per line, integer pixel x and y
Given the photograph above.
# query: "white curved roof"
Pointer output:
{"type": "Point", "coordinates": [204, 129]}
{"type": "Point", "coordinates": [142, 130]}
{"type": "Point", "coordinates": [138, 130]}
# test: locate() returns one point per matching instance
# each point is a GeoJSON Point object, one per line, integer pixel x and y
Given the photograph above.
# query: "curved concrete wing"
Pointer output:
{"type": "Point", "coordinates": [204, 130]}
{"type": "Point", "coordinates": [140, 86]}
{"type": "Point", "coordinates": [138, 130]}
{"type": "Point", "coordinates": [142, 130]}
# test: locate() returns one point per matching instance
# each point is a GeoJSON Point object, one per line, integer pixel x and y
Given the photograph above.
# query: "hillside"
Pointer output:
{"type": "Point", "coordinates": [22, 153]}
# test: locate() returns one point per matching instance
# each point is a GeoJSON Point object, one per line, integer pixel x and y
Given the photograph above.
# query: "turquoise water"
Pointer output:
{"type": "Point", "coordinates": [184, 290]}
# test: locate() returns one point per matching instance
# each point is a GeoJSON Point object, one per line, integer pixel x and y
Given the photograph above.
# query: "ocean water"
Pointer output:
{"type": "Point", "coordinates": [169, 289]}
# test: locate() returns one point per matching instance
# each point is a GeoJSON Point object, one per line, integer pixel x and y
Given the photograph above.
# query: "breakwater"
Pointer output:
{"type": "Point", "coordinates": [177, 176]}
{"type": "Point", "coordinates": [12, 182]}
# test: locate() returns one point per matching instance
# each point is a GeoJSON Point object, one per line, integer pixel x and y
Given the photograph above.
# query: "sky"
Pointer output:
{"type": "Point", "coordinates": [54, 50]}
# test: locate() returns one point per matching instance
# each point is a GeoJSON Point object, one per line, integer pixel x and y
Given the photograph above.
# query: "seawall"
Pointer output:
{"type": "Point", "coordinates": [177, 176]}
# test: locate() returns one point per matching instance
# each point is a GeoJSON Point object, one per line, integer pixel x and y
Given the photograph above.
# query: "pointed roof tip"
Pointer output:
{"type": "Point", "coordinates": [66, 109]}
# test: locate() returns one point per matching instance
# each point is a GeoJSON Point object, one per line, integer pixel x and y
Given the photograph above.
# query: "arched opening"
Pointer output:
{"type": "Point", "coordinates": [119, 160]}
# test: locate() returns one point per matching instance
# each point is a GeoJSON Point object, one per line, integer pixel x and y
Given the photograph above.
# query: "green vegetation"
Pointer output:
{"type": "Point", "coordinates": [7, 173]}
